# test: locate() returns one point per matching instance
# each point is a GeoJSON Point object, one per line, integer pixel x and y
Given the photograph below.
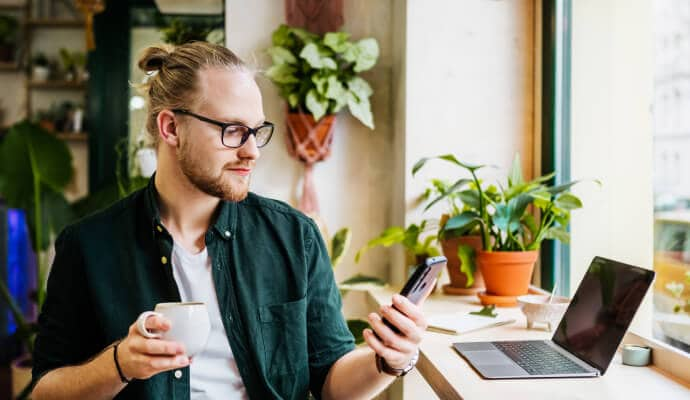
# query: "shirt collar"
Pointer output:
{"type": "Point", "coordinates": [225, 217]}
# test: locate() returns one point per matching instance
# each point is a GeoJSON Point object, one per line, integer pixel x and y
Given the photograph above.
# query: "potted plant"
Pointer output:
{"type": "Point", "coordinates": [511, 234]}
{"type": "Point", "coordinates": [179, 32]}
{"type": "Point", "coordinates": [318, 76]}
{"type": "Point", "coordinates": [40, 68]}
{"type": "Point", "coordinates": [8, 37]}
{"type": "Point", "coordinates": [459, 245]}
{"type": "Point", "coordinates": [35, 167]}
{"type": "Point", "coordinates": [416, 249]}
{"type": "Point", "coordinates": [339, 246]}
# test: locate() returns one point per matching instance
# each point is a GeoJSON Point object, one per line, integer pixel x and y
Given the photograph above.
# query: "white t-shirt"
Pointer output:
{"type": "Point", "coordinates": [213, 373]}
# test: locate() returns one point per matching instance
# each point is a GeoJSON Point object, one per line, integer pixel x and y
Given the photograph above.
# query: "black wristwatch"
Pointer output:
{"type": "Point", "coordinates": [382, 366]}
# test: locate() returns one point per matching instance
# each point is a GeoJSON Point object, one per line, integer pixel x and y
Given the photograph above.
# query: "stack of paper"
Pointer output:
{"type": "Point", "coordinates": [459, 323]}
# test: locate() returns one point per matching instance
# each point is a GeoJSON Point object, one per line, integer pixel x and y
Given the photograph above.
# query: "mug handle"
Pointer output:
{"type": "Point", "coordinates": [141, 325]}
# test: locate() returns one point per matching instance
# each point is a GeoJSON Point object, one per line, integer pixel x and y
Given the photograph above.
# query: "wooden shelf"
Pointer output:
{"type": "Point", "coordinates": [55, 23]}
{"type": "Point", "coordinates": [73, 136]}
{"type": "Point", "coordinates": [57, 85]}
{"type": "Point", "coordinates": [12, 7]}
{"type": "Point", "coordinates": [9, 66]}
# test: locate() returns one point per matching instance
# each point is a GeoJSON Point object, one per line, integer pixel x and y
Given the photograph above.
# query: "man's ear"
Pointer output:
{"type": "Point", "coordinates": [167, 128]}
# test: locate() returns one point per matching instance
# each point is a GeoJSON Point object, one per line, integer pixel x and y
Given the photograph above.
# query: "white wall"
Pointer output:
{"type": "Point", "coordinates": [612, 79]}
{"type": "Point", "coordinates": [469, 79]}
{"type": "Point", "coordinates": [354, 184]}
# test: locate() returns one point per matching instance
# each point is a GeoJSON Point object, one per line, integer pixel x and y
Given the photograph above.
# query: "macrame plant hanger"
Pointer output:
{"type": "Point", "coordinates": [310, 141]}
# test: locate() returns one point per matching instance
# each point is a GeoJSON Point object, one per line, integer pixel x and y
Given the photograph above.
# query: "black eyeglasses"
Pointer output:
{"type": "Point", "coordinates": [233, 135]}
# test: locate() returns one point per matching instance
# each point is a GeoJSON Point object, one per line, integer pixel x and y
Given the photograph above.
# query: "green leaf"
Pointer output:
{"type": "Point", "coordinates": [316, 106]}
{"type": "Point", "coordinates": [361, 109]}
{"type": "Point", "coordinates": [357, 327]}
{"type": "Point", "coordinates": [450, 191]}
{"type": "Point", "coordinates": [320, 83]}
{"type": "Point", "coordinates": [466, 254]}
{"type": "Point", "coordinates": [486, 311]}
{"type": "Point", "coordinates": [361, 279]}
{"type": "Point", "coordinates": [463, 222]}
{"type": "Point", "coordinates": [316, 59]}
{"type": "Point", "coordinates": [470, 198]}
{"type": "Point", "coordinates": [360, 88]}
{"type": "Point", "coordinates": [339, 245]}
{"type": "Point", "coordinates": [531, 223]}
{"type": "Point", "coordinates": [281, 55]}
{"type": "Point", "coordinates": [515, 177]}
{"type": "Point", "coordinates": [310, 53]}
{"type": "Point", "coordinates": [293, 100]}
{"type": "Point", "coordinates": [281, 36]}
{"type": "Point", "coordinates": [387, 238]}
{"type": "Point", "coordinates": [568, 201]}
{"type": "Point", "coordinates": [368, 54]}
{"type": "Point", "coordinates": [559, 234]}
{"type": "Point", "coordinates": [329, 63]}
{"type": "Point", "coordinates": [282, 73]}
{"type": "Point", "coordinates": [447, 157]}
{"type": "Point", "coordinates": [336, 90]}
{"type": "Point", "coordinates": [505, 219]}
{"type": "Point", "coordinates": [337, 41]}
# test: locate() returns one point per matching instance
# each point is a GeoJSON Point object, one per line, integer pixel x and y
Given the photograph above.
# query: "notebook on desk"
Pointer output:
{"type": "Point", "coordinates": [586, 338]}
{"type": "Point", "coordinates": [459, 323]}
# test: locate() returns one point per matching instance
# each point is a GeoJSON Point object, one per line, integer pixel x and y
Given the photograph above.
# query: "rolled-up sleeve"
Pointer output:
{"type": "Point", "coordinates": [66, 323]}
{"type": "Point", "coordinates": [328, 335]}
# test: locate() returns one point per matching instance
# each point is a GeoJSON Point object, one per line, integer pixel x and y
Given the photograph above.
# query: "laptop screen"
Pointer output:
{"type": "Point", "coordinates": [601, 310]}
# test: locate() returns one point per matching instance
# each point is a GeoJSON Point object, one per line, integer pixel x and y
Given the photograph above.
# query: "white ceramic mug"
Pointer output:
{"type": "Point", "coordinates": [190, 325]}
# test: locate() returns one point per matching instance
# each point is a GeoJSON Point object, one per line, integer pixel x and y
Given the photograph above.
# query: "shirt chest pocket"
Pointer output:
{"type": "Point", "coordinates": [284, 335]}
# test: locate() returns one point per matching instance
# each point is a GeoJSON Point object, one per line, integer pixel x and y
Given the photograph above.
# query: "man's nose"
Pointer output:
{"type": "Point", "coordinates": [249, 150]}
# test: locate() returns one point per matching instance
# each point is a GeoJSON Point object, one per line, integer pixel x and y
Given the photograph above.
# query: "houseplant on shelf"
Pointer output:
{"type": "Point", "coordinates": [35, 167]}
{"type": "Point", "coordinates": [8, 37]}
{"type": "Point", "coordinates": [40, 68]}
{"type": "Point", "coordinates": [459, 245]}
{"type": "Point", "coordinates": [511, 234]}
{"type": "Point", "coordinates": [319, 76]}
{"type": "Point", "coordinates": [339, 246]}
{"type": "Point", "coordinates": [416, 249]}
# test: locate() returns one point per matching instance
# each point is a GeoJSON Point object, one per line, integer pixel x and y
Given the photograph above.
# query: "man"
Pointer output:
{"type": "Point", "coordinates": [197, 234]}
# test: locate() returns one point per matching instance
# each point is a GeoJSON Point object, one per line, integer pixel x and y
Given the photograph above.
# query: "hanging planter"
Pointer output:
{"type": "Point", "coordinates": [318, 76]}
{"type": "Point", "coordinates": [309, 141]}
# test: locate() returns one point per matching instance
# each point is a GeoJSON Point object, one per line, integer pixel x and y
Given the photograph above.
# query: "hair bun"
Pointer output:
{"type": "Point", "coordinates": [153, 58]}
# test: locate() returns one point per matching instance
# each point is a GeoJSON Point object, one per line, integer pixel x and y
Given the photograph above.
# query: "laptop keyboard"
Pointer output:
{"type": "Point", "coordinates": [538, 358]}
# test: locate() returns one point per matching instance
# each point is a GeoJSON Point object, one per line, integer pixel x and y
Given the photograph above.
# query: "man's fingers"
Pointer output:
{"type": "Point", "coordinates": [390, 355]}
{"type": "Point", "coordinates": [155, 323]}
{"type": "Point", "coordinates": [158, 347]}
{"type": "Point", "coordinates": [406, 326]}
{"type": "Point", "coordinates": [411, 310]}
{"type": "Point", "coordinates": [388, 337]}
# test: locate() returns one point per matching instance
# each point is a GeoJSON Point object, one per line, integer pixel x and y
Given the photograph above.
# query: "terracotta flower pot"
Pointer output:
{"type": "Point", "coordinates": [309, 140]}
{"type": "Point", "coordinates": [507, 273]}
{"type": "Point", "coordinates": [458, 280]}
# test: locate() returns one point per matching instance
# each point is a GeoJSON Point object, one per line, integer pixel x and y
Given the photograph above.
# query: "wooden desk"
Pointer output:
{"type": "Point", "coordinates": [452, 378]}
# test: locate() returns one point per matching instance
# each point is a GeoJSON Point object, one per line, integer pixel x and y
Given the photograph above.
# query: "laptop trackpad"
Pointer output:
{"type": "Point", "coordinates": [493, 363]}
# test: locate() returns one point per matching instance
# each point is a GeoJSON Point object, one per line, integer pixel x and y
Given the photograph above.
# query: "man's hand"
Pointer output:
{"type": "Point", "coordinates": [141, 358]}
{"type": "Point", "coordinates": [397, 349]}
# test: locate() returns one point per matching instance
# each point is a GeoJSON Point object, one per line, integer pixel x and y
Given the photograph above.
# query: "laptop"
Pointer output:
{"type": "Point", "coordinates": [587, 337]}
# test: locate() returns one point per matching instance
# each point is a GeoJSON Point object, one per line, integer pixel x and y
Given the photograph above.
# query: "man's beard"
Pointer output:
{"type": "Point", "coordinates": [204, 180]}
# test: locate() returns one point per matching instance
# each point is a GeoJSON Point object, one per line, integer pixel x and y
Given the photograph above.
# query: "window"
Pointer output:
{"type": "Point", "coordinates": [671, 113]}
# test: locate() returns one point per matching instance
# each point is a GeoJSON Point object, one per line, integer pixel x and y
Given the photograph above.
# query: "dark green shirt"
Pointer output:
{"type": "Point", "coordinates": [277, 296]}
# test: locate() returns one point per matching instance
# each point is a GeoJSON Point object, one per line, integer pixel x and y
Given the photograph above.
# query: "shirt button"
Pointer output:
{"type": "Point", "coordinates": [227, 234]}
{"type": "Point", "coordinates": [178, 374]}
{"type": "Point", "coordinates": [164, 260]}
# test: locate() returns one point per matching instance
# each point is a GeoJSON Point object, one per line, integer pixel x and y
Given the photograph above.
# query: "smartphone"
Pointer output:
{"type": "Point", "coordinates": [420, 283]}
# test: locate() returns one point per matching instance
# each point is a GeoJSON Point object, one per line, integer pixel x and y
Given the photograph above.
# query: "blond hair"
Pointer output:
{"type": "Point", "coordinates": [173, 75]}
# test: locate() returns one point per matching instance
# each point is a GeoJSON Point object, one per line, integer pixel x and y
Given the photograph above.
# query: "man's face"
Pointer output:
{"type": "Point", "coordinates": [226, 96]}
